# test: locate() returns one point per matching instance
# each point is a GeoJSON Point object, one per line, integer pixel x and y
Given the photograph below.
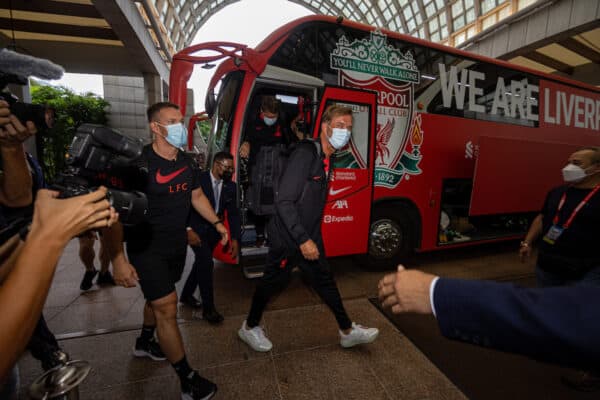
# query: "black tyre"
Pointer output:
{"type": "Point", "coordinates": [392, 237]}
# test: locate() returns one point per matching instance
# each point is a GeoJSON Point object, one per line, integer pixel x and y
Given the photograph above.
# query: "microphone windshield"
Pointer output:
{"type": "Point", "coordinates": [25, 66]}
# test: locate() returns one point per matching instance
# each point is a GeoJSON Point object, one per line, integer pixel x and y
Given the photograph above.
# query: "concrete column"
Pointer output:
{"type": "Point", "coordinates": [127, 98]}
{"type": "Point", "coordinates": [155, 89]}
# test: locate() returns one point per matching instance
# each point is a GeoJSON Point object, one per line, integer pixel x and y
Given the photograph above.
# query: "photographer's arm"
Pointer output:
{"type": "Point", "coordinates": [201, 204]}
{"type": "Point", "coordinates": [9, 252]}
{"type": "Point", "coordinates": [15, 180]}
{"type": "Point", "coordinates": [22, 298]}
{"type": "Point", "coordinates": [124, 273]}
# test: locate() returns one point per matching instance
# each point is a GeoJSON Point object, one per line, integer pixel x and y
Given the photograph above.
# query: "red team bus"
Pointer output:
{"type": "Point", "coordinates": [448, 148]}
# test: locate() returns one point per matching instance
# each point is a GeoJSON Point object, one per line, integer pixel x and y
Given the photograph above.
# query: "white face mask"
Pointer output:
{"type": "Point", "coordinates": [573, 173]}
{"type": "Point", "coordinates": [339, 137]}
{"type": "Point", "coordinates": [269, 121]}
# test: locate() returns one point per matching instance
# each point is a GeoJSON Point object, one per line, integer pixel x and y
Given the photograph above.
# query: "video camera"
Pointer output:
{"type": "Point", "coordinates": [17, 68]}
{"type": "Point", "coordinates": [41, 116]}
{"type": "Point", "coordinates": [97, 150]}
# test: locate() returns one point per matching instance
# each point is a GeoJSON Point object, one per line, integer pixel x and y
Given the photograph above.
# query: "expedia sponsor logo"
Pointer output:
{"type": "Point", "coordinates": [331, 219]}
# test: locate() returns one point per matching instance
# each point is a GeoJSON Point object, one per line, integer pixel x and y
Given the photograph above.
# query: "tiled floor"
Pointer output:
{"type": "Point", "coordinates": [101, 325]}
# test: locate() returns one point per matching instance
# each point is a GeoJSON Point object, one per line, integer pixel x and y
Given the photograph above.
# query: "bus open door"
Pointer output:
{"type": "Point", "coordinates": [346, 218]}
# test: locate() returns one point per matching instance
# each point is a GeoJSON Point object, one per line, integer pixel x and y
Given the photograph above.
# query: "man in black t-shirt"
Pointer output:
{"type": "Point", "coordinates": [569, 250]}
{"type": "Point", "coordinates": [156, 248]}
{"type": "Point", "coordinates": [568, 225]}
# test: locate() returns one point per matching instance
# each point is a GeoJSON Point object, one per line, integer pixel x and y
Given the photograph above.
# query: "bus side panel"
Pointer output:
{"type": "Point", "coordinates": [513, 176]}
{"type": "Point", "coordinates": [449, 149]}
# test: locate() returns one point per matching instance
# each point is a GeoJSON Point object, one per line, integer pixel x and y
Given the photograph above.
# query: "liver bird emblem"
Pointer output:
{"type": "Point", "coordinates": [383, 138]}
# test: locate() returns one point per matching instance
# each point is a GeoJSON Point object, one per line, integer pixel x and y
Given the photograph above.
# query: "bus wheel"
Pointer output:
{"type": "Point", "coordinates": [391, 237]}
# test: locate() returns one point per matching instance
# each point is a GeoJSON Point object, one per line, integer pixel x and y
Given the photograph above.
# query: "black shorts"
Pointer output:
{"type": "Point", "coordinates": [158, 271]}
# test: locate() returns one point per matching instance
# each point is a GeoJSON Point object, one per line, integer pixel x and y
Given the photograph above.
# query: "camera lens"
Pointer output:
{"type": "Point", "coordinates": [131, 206]}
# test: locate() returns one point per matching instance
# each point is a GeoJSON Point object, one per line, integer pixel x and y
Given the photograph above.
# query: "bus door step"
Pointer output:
{"type": "Point", "coordinates": [253, 271]}
{"type": "Point", "coordinates": [253, 261]}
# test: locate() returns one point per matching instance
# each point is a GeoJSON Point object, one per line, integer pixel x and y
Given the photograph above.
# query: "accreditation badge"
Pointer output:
{"type": "Point", "coordinates": [553, 234]}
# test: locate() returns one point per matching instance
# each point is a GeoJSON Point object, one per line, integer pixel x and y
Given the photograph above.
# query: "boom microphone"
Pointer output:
{"type": "Point", "coordinates": [24, 66]}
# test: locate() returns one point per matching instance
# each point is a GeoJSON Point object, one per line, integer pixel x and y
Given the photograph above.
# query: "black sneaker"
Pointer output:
{"type": "Point", "coordinates": [88, 277]}
{"type": "Point", "coordinates": [196, 387]}
{"type": "Point", "coordinates": [105, 278]}
{"type": "Point", "coordinates": [148, 348]}
{"type": "Point", "coordinates": [212, 316]}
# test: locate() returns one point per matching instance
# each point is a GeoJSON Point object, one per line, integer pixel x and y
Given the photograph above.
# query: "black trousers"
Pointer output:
{"type": "Point", "coordinates": [201, 274]}
{"type": "Point", "coordinates": [278, 272]}
{"type": "Point", "coordinates": [42, 342]}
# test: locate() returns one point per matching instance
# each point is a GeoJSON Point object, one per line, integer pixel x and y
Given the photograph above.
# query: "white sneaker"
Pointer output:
{"type": "Point", "coordinates": [255, 338]}
{"type": "Point", "coordinates": [358, 335]}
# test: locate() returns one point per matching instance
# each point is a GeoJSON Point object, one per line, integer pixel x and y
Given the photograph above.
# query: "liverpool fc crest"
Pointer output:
{"type": "Point", "coordinates": [373, 64]}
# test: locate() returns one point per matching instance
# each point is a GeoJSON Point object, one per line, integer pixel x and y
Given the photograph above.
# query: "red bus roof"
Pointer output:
{"type": "Point", "coordinates": [281, 33]}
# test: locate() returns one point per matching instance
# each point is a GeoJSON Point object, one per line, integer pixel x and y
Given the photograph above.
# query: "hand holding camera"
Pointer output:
{"type": "Point", "coordinates": [12, 131]}
{"type": "Point", "coordinates": [64, 219]}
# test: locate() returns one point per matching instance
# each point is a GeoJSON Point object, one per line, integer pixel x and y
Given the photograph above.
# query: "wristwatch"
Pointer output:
{"type": "Point", "coordinates": [524, 243]}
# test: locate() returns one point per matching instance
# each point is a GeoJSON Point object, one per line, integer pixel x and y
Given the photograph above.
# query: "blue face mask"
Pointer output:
{"type": "Point", "coordinates": [269, 121]}
{"type": "Point", "coordinates": [176, 134]}
{"type": "Point", "coordinates": [339, 137]}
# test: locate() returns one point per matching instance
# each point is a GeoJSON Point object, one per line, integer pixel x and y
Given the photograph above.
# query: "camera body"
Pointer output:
{"type": "Point", "coordinates": [41, 116]}
{"type": "Point", "coordinates": [95, 151]}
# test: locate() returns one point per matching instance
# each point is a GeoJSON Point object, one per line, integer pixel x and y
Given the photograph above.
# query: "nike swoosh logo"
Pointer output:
{"type": "Point", "coordinates": [334, 192]}
{"type": "Point", "coordinates": [168, 178]}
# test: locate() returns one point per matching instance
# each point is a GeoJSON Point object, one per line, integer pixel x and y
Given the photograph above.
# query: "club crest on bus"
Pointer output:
{"type": "Point", "coordinates": [374, 65]}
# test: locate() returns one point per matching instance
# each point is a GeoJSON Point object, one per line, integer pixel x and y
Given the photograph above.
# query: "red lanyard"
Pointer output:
{"type": "Point", "coordinates": [576, 210]}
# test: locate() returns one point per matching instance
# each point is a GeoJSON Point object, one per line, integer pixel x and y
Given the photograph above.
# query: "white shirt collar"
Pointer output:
{"type": "Point", "coordinates": [215, 180]}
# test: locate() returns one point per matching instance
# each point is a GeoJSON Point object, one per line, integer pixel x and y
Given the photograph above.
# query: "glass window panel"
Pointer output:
{"type": "Point", "coordinates": [444, 31]}
{"type": "Point", "coordinates": [525, 3]}
{"type": "Point", "coordinates": [393, 8]}
{"type": "Point", "coordinates": [472, 31]}
{"type": "Point", "coordinates": [487, 5]}
{"type": "Point", "coordinates": [363, 8]}
{"type": "Point", "coordinates": [433, 25]}
{"type": "Point", "coordinates": [407, 13]}
{"type": "Point", "coordinates": [422, 32]}
{"type": "Point", "coordinates": [387, 15]}
{"type": "Point", "coordinates": [430, 10]}
{"type": "Point", "coordinates": [435, 37]}
{"type": "Point", "coordinates": [441, 4]}
{"type": "Point", "coordinates": [470, 15]}
{"type": "Point", "coordinates": [468, 4]}
{"type": "Point", "coordinates": [457, 8]}
{"type": "Point", "coordinates": [501, 1]}
{"type": "Point", "coordinates": [458, 39]}
{"type": "Point", "coordinates": [443, 18]}
{"type": "Point", "coordinates": [411, 25]}
{"type": "Point", "coordinates": [399, 24]}
{"type": "Point", "coordinates": [489, 21]}
{"type": "Point", "coordinates": [392, 26]}
{"type": "Point", "coordinates": [505, 12]}
{"type": "Point", "coordinates": [458, 22]}
{"type": "Point", "coordinates": [418, 18]}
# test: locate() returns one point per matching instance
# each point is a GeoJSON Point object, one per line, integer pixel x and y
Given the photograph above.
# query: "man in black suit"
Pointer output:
{"type": "Point", "coordinates": [559, 325]}
{"type": "Point", "coordinates": [203, 237]}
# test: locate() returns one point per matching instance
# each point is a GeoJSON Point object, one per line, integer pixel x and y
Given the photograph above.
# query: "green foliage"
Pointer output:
{"type": "Point", "coordinates": [71, 110]}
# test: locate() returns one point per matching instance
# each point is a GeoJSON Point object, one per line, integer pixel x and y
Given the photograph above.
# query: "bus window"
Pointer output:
{"type": "Point", "coordinates": [355, 154]}
{"type": "Point", "coordinates": [220, 138]}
